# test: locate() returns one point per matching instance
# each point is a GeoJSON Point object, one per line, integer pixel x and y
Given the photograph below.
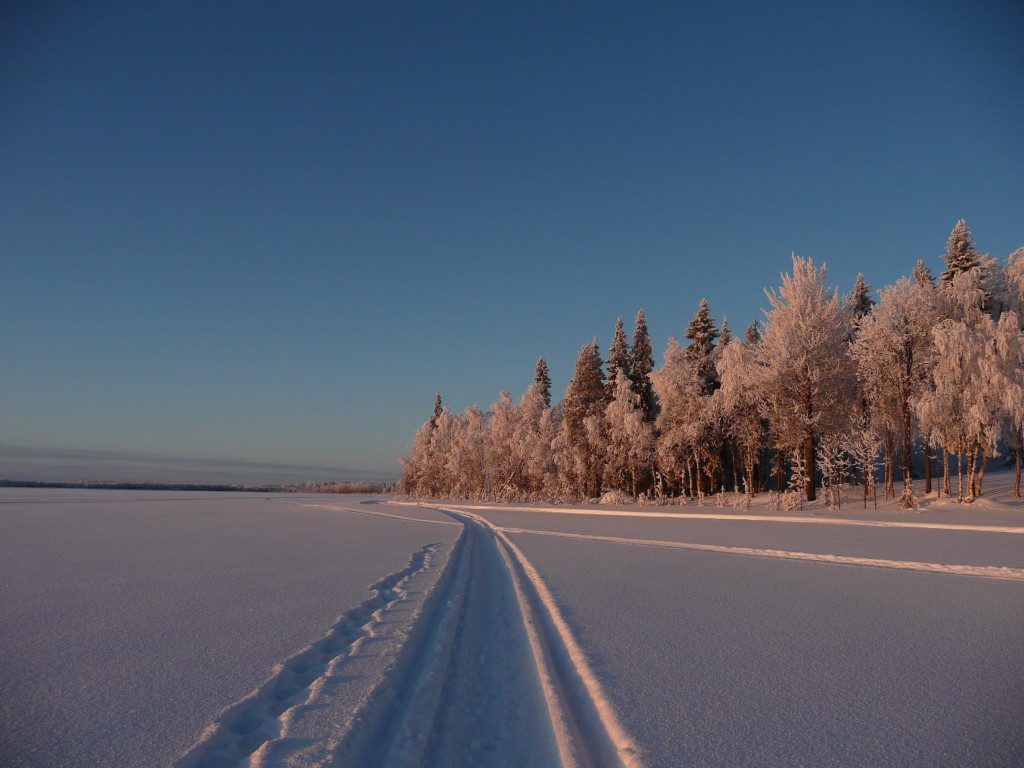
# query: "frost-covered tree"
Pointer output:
{"type": "Point", "coordinates": [753, 334]}
{"type": "Point", "coordinates": [833, 462]}
{"type": "Point", "coordinates": [741, 401]}
{"type": "Point", "coordinates": [535, 432]}
{"type": "Point", "coordinates": [618, 358]}
{"type": "Point", "coordinates": [506, 464]}
{"type": "Point", "coordinates": [944, 409]}
{"type": "Point", "coordinates": [976, 367]}
{"type": "Point", "coordinates": [922, 274]}
{"type": "Point", "coordinates": [859, 301]}
{"type": "Point", "coordinates": [641, 364]}
{"type": "Point", "coordinates": [678, 424]}
{"type": "Point", "coordinates": [579, 449]}
{"type": "Point", "coordinates": [438, 407]}
{"type": "Point", "coordinates": [629, 440]}
{"type": "Point", "coordinates": [1014, 403]}
{"type": "Point", "coordinates": [691, 426]}
{"type": "Point", "coordinates": [466, 462]}
{"type": "Point", "coordinates": [894, 355]}
{"type": "Point", "coordinates": [863, 443]}
{"type": "Point", "coordinates": [961, 255]}
{"type": "Point", "coordinates": [1015, 281]}
{"type": "Point", "coordinates": [804, 359]}
{"type": "Point", "coordinates": [586, 388]}
{"type": "Point", "coordinates": [726, 336]}
{"type": "Point", "coordinates": [542, 378]}
{"type": "Point", "coordinates": [703, 334]}
{"type": "Point", "coordinates": [420, 475]}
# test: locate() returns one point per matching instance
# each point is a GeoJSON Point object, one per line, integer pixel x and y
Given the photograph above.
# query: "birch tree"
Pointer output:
{"type": "Point", "coordinates": [804, 358]}
{"type": "Point", "coordinates": [894, 355]}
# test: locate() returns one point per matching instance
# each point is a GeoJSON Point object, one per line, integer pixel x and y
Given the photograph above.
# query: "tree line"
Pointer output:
{"type": "Point", "coordinates": [828, 391]}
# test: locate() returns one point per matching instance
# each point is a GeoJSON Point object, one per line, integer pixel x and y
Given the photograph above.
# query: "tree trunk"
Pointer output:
{"type": "Point", "coordinates": [960, 477]}
{"type": "Point", "coordinates": [750, 473]}
{"type": "Point", "coordinates": [927, 466]}
{"type": "Point", "coordinates": [734, 457]}
{"type": "Point", "coordinates": [946, 487]}
{"type": "Point", "coordinates": [809, 465]}
{"type": "Point", "coordinates": [780, 470]}
{"type": "Point", "coordinates": [1016, 485]}
{"type": "Point", "coordinates": [907, 464]}
{"type": "Point", "coordinates": [889, 464]}
{"type": "Point", "coordinates": [983, 465]}
{"type": "Point", "coordinates": [972, 464]}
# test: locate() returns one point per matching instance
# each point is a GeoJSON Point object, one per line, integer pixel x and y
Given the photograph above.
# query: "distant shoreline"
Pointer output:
{"type": "Point", "coordinates": [113, 485]}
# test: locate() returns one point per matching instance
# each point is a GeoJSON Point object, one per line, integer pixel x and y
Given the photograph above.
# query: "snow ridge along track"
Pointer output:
{"type": "Point", "coordinates": [262, 716]}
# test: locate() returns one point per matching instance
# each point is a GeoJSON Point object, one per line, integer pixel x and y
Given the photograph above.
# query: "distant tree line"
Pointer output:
{"type": "Point", "coordinates": [309, 487]}
{"type": "Point", "coordinates": [828, 391]}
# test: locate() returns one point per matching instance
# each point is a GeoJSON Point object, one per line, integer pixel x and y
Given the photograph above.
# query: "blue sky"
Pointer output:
{"type": "Point", "coordinates": [264, 235]}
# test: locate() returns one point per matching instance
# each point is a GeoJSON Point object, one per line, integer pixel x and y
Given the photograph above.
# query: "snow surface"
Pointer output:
{"type": "Point", "coordinates": [129, 620]}
{"type": "Point", "coordinates": [719, 660]}
{"type": "Point", "coordinates": [716, 659]}
{"type": "Point", "coordinates": [236, 630]}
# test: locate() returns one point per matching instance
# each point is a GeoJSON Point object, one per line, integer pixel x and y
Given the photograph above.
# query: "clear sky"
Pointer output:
{"type": "Point", "coordinates": [250, 240]}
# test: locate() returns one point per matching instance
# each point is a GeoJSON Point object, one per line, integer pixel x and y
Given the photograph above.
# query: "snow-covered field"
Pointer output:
{"type": "Point", "coordinates": [211, 629]}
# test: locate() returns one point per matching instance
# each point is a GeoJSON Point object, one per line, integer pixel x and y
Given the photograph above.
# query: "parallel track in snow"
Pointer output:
{"type": "Point", "coordinates": [486, 673]}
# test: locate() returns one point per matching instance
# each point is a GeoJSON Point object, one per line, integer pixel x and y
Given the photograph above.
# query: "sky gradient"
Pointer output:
{"type": "Point", "coordinates": [253, 238]}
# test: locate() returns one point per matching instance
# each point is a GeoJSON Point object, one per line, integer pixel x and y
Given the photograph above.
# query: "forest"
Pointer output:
{"type": "Point", "coordinates": [829, 391]}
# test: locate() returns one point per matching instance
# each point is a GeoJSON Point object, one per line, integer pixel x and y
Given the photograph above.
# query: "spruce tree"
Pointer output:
{"type": "Point", "coordinates": [641, 364]}
{"type": "Point", "coordinates": [726, 337]}
{"type": "Point", "coordinates": [585, 394]}
{"type": "Point", "coordinates": [922, 274]}
{"type": "Point", "coordinates": [702, 334]}
{"type": "Point", "coordinates": [618, 358]}
{"type": "Point", "coordinates": [753, 334]}
{"type": "Point", "coordinates": [859, 300]}
{"type": "Point", "coordinates": [437, 409]}
{"type": "Point", "coordinates": [961, 255]}
{"type": "Point", "coordinates": [582, 407]}
{"type": "Point", "coordinates": [542, 379]}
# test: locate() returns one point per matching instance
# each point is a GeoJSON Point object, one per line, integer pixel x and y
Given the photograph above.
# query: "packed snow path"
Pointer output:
{"type": "Point", "coordinates": [484, 673]}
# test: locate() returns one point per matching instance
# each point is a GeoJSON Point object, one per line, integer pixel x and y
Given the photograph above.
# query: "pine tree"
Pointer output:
{"type": "Point", "coordinates": [618, 358]}
{"type": "Point", "coordinates": [961, 255]}
{"type": "Point", "coordinates": [702, 334]}
{"type": "Point", "coordinates": [641, 365]}
{"type": "Point", "coordinates": [542, 379]}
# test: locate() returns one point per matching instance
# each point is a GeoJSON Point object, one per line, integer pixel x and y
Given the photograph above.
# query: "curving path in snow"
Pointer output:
{"type": "Point", "coordinates": [471, 663]}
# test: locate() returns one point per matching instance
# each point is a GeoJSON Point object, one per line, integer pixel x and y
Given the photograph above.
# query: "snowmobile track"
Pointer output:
{"type": "Point", "coordinates": [488, 674]}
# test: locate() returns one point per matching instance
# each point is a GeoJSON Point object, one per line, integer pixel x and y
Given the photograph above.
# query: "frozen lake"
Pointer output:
{"type": "Point", "coordinates": [151, 628]}
{"type": "Point", "coordinates": [130, 619]}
